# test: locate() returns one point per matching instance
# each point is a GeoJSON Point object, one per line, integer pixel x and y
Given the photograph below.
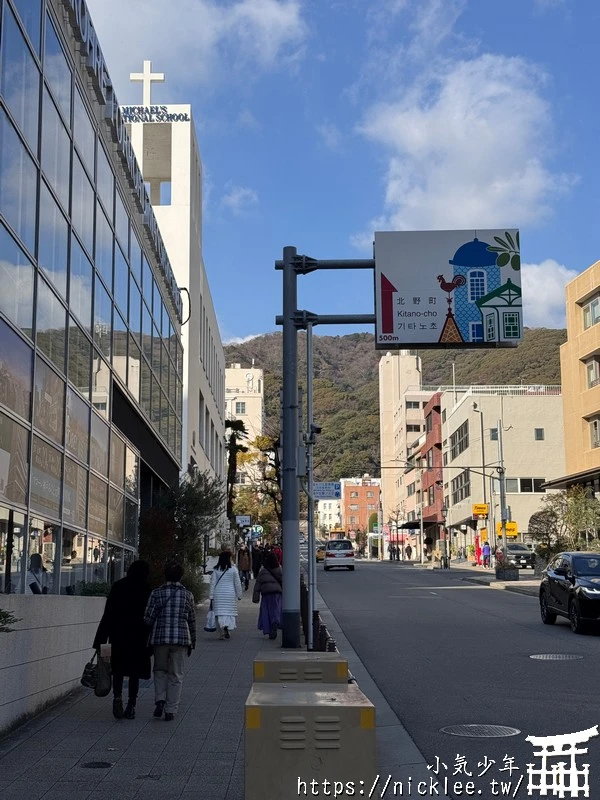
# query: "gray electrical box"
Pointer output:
{"type": "Point", "coordinates": [292, 666]}
{"type": "Point", "coordinates": [310, 733]}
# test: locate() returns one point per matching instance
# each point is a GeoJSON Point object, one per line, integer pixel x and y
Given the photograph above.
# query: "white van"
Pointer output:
{"type": "Point", "coordinates": [339, 553]}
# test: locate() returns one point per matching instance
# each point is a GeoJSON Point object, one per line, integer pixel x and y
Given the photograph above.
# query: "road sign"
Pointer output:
{"type": "Point", "coordinates": [243, 520]}
{"type": "Point", "coordinates": [375, 527]}
{"type": "Point", "coordinates": [480, 510]}
{"type": "Point", "coordinates": [512, 529]}
{"type": "Point", "coordinates": [483, 535]}
{"type": "Point", "coordinates": [258, 529]}
{"type": "Point", "coordinates": [328, 490]}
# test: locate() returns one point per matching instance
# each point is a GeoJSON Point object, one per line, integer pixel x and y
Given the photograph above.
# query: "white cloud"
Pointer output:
{"type": "Point", "coordinates": [468, 149]}
{"type": "Point", "coordinates": [241, 339]}
{"type": "Point", "coordinates": [195, 41]}
{"type": "Point", "coordinates": [240, 199]}
{"type": "Point", "coordinates": [247, 120]}
{"type": "Point", "coordinates": [543, 287]}
{"type": "Point", "coordinates": [331, 135]}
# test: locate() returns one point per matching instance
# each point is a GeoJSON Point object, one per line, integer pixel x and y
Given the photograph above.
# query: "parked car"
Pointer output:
{"type": "Point", "coordinates": [339, 553]}
{"type": "Point", "coordinates": [570, 588]}
{"type": "Point", "coordinates": [521, 556]}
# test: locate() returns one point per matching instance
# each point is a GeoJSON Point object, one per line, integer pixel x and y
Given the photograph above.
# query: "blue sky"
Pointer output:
{"type": "Point", "coordinates": [321, 121]}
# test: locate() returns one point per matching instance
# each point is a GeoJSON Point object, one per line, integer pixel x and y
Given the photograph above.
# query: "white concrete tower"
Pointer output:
{"type": "Point", "coordinates": [166, 147]}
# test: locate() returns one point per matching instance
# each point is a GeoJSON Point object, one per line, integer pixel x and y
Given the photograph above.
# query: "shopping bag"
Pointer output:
{"type": "Point", "coordinates": [104, 680]}
{"type": "Point", "coordinates": [89, 678]}
{"type": "Point", "coordinates": [211, 622]}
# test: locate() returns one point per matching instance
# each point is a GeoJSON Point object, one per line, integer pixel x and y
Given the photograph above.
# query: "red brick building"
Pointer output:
{"type": "Point", "coordinates": [360, 499]}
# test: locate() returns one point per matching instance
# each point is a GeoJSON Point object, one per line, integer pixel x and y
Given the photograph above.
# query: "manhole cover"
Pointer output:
{"type": "Point", "coordinates": [98, 765]}
{"type": "Point", "coordinates": [556, 657]}
{"type": "Point", "coordinates": [480, 731]}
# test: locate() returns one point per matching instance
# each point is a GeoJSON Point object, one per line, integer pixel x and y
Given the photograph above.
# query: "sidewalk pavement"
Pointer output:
{"type": "Point", "coordinates": [198, 755]}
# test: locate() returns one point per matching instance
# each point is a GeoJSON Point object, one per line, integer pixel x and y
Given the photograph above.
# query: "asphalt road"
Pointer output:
{"type": "Point", "coordinates": [447, 652]}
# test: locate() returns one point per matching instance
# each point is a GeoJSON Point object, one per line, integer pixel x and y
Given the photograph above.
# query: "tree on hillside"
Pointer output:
{"type": "Point", "coordinates": [237, 433]}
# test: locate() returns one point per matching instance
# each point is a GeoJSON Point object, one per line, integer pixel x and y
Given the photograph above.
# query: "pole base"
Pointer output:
{"type": "Point", "coordinates": [290, 623]}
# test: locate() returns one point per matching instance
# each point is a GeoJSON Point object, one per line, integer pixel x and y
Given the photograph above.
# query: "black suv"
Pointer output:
{"type": "Point", "coordinates": [571, 588]}
{"type": "Point", "coordinates": [521, 556]}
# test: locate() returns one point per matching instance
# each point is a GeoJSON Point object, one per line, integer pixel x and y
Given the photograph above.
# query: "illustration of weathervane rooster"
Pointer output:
{"type": "Point", "coordinates": [450, 286]}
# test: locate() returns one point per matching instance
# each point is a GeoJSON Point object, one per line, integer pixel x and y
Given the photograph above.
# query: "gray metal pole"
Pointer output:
{"type": "Point", "coordinates": [289, 489]}
{"type": "Point", "coordinates": [312, 572]}
{"type": "Point", "coordinates": [502, 491]}
{"type": "Point", "coordinates": [421, 529]}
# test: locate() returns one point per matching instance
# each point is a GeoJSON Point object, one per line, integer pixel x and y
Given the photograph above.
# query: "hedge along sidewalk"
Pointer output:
{"type": "Point", "coordinates": [199, 754]}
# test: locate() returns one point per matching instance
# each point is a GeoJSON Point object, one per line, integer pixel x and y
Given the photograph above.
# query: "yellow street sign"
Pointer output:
{"type": "Point", "coordinates": [480, 509]}
{"type": "Point", "coordinates": [483, 535]}
{"type": "Point", "coordinates": [512, 529]}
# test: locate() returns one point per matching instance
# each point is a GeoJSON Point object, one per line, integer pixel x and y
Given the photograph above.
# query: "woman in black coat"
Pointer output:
{"type": "Point", "coordinates": [122, 624]}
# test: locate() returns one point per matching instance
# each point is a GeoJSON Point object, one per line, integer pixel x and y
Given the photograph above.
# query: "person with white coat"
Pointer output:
{"type": "Point", "coordinates": [225, 591]}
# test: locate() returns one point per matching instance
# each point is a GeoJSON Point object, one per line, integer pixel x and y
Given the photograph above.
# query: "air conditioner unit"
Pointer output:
{"type": "Point", "coordinates": [289, 666]}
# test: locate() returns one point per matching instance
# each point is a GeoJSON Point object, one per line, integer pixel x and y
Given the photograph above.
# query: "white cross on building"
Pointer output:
{"type": "Point", "coordinates": [147, 77]}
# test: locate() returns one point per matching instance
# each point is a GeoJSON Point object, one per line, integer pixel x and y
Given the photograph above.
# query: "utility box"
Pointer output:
{"type": "Point", "coordinates": [291, 666]}
{"type": "Point", "coordinates": [310, 733]}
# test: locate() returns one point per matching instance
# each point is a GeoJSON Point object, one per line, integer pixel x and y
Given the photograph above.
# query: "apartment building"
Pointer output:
{"type": "Point", "coordinates": [360, 499]}
{"type": "Point", "coordinates": [245, 401]}
{"type": "Point", "coordinates": [329, 515]}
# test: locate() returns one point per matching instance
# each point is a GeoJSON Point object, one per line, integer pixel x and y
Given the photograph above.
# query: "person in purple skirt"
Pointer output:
{"type": "Point", "coordinates": [267, 590]}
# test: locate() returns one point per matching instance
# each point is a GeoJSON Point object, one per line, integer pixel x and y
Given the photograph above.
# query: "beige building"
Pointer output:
{"type": "Point", "coordinates": [329, 515]}
{"type": "Point", "coordinates": [245, 400]}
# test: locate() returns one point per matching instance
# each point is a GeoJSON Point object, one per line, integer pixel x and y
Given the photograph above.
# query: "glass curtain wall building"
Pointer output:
{"type": "Point", "coordinates": [91, 361]}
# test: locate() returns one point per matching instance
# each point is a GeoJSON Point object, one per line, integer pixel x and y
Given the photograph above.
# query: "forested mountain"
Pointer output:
{"type": "Point", "coordinates": [346, 393]}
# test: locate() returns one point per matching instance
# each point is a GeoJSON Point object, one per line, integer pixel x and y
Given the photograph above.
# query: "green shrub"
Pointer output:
{"type": "Point", "coordinates": [6, 620]}
{"type": "Point", "coordinates": [100, 589]}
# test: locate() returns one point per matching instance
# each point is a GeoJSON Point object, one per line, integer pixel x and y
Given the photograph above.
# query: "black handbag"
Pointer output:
{"type": "Point", "coordinates": [104, 678]}
{"type": "Point", "coordinates": [89, 679]}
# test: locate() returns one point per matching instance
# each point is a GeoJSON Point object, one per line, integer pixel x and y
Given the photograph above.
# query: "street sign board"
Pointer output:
{"type": "Point", "coordinates": [327, 490]}
{"type": "Point", "coordinates": [243, 520]}
{"type": "Point", "coordinates": [480, 510]}
{"type": "Point", "coordinates": [512, 529]}
{"type": "Point", "coordinates": [483, 535]}
{"type": "Point", "coordinates": [375, 527]}
{"type": "Point", "coordinates": [257, 529]}
{"type": "Point", "coordinates": [459, 289]}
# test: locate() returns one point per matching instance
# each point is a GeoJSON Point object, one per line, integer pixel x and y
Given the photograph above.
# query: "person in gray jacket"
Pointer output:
{"type": "Point", "coordinates": [267, 590]}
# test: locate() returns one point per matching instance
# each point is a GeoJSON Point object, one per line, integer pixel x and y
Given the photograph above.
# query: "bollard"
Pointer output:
{"type": "Point", "coordinates": [316, 621]}
{"type": "Point", "coordinates": [331, 646]}
{"type": "Point", "coordinates": [323, 635]}
{"type": "Point", "coordinates": [304, 606]}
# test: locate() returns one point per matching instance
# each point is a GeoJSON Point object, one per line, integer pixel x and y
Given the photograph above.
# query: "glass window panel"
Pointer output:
{"type": "Point", "coordinates": [75, 496]}
{"type": "Point", "coordinates": [117, 460]}
{"type": "Point", "coordinates": [156, 350]}
{"type": "Point", "coordinates": [132, 465]}
{"type": "Point", "coordinates": [80, 355]}
{"type": "Point", "coordinates": [133, 369]}
{"type": "Point", "coordinates": [104, 248]}
{"type": "Point", "coordinates": [12, 544]}
{"type": "Point", "coordinates": [82, 211]}
{"type": "Point", "coordinates": [102, 319]}
{"type": "Point", "coordinates": [165, 322]}
{"type": "Point", "coordinates": [135, 259]}
{"type": "Point", "coordinates": [53, 241]}
{"type": "Point", "coordinates": [122, 224]}
{"type": "Point", "coordinates": [57, 71]}
{"type": "Point", "coordinates": [78, 426]}
{"type": "Point", "coordinates": [99, 446]}
{"type": "Point", "coordinates": [156, 304]}
{"type": "Point", "coordinates": [98, 503]}
{"type": "Point", "coordinates": [156, 407]}
{"type": "Point", "coordinates": [164, 370]}
{"type": "Point", "coordinates": [46, 478]}
{"type": "Point", "coordinates": [56, 151]}
{"type": "Point", "coordinates": [164, 416]}
{"type": "Point", "coordinates": [43, 557]}
{"type": "Point", "coordinates": [114, 562]}
{"type": "Point", "coordinates": [135, 308]}
{"type": "Point", "coordinates": [178, 445]}
{"type": "Point", "coordinates": [50, 323]}
{"type": "Point", "coordinates": [80, 288]}
{"type": "Point", "coordinates": [121, 281]}
{"type": "Point", "coordinates": [48, 401]}
{"type": "Point", "coordinates": [18, 184]}
{"type": "Point", "coordinates": [115, 514]}
{"type": "Point", "coordinates": [146, 384]}
{"type": "Point", "coordinates": [120, 338]}
{"type": "Point", "coordinates": [173, 387]}
{"type": "Point", "coordinates": [179, 397]}
{"type": "Point", "coordinates": [72, 565]}
{"type": "Point", "coordinates": [96, 547]}
{"type": "Point", "coordinates": [512, 484]}
{"type": "Point", "coordinates": [14, 461]}
{"type": "Point", "coordinates": [172, 343]}
{"type": "Point", "coordinates": [19, 79]}
{"type": "Point", "coordinates": [131, 523]}
{"type": "Point", "coordinates": [105, 182]}
{"type": "Point", "coordinates": [16, 279]}
{"type": "Point", "coordinates": [147, 282]}
{"type": "Point", "coordinates": [29, 11]}
{"type": "Point", "coordinates": [100, 385]}
{"type": "Point", "coordinates": [172, 431]}
{"type": "Point", "coordinates": [83, 133]}
{"type": "Point", "coordinates": [15, 372]}
{"type": "Point", "coordinates": [146, 332]}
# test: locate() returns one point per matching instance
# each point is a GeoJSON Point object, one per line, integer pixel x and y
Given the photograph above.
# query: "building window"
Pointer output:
{"type": "Point", "coordinates": [430, 496]}
{"type": "Point", "coordinates": [490, 328]}
{"type": "Point", "coordinates": [527, 484]}
{"type": "Point", "coordinates": [477, 288]}
{"type": "Point", "coordinates": [19, 79]}
{"type": "Point", "coordinates": [510, 321]}
{"type": "Point", "coordinates": [430, 457]}
{"type": "Point", "coordinates": [413, 429]}
{"type": "Point", "coordinates": [476, 331]}
{"type": "Point", "coordinates": [412, 404]}
{"type": "Point", "coordinates": [354, 507]}
{"type": "Point", "coordinates": [538, 484]}
{"type": "Point", "coordinates": [459, 440]}
{"type": "Point", "coordinates": [353, 494]}
{"type": "Point", "coordinates": [370, 494]}
{"type": "Point", "coordinates": [410, 489]}
{"type": "Point", "coordinates": [493, 434]}
{"type": "Point", "coordinates": [371, 507]}
{"type": "Point", "coordinates": [538, 434]}
{"type": "Point", "coordinates": [429, 422]}
{"type": "Point", "coordinates": [595, 431]}
{"type": "Point", "coordinates": [591, 312]}
{"type": "Point", "coordinates": [461, 487]}
{"type": "Point", "coordinates": [512, 485]}
{"type": "Point", "coordinates": [240, 408]}
{"type": "Point", "coordinates": [592, 367]}
{"type": "Point", "coordinates": [16, 270]}
{"type": "Point", "coordinates": [18, 184]}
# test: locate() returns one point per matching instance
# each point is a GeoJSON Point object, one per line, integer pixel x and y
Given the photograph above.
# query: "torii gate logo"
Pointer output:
{"type": "Point", "coordinates": [558, 776]}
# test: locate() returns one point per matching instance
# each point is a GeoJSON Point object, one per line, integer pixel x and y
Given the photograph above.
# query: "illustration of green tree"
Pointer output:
{"type": "Point", "coordinates": [508, 251]}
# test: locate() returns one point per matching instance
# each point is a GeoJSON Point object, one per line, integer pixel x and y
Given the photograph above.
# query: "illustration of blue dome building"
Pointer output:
{"type": "Point", "coordinates": [478, 267]}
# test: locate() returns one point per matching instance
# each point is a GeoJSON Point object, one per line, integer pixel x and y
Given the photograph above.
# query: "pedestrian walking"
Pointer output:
{"type": "Point", "coordinates": [225, 591]}
{"type": "Point", "coordinates": [37, 579]}
{"type": "Point", "coordinates": [267, 590]}
{"type": "Point", "coordinates": [244, 564]}
{"type": "Point", "coordinates": [408, 552]}
{"type": "Point", "coordinates": [279, 553]}
{"type": "Point", "coordinates": [257, 557]}
{"type": "Point", "coordinates": [486, 552]}
{"type": "Point", "coordinates": [171, 614]}
{"type": "Point", "coordinates": [122, 625]}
